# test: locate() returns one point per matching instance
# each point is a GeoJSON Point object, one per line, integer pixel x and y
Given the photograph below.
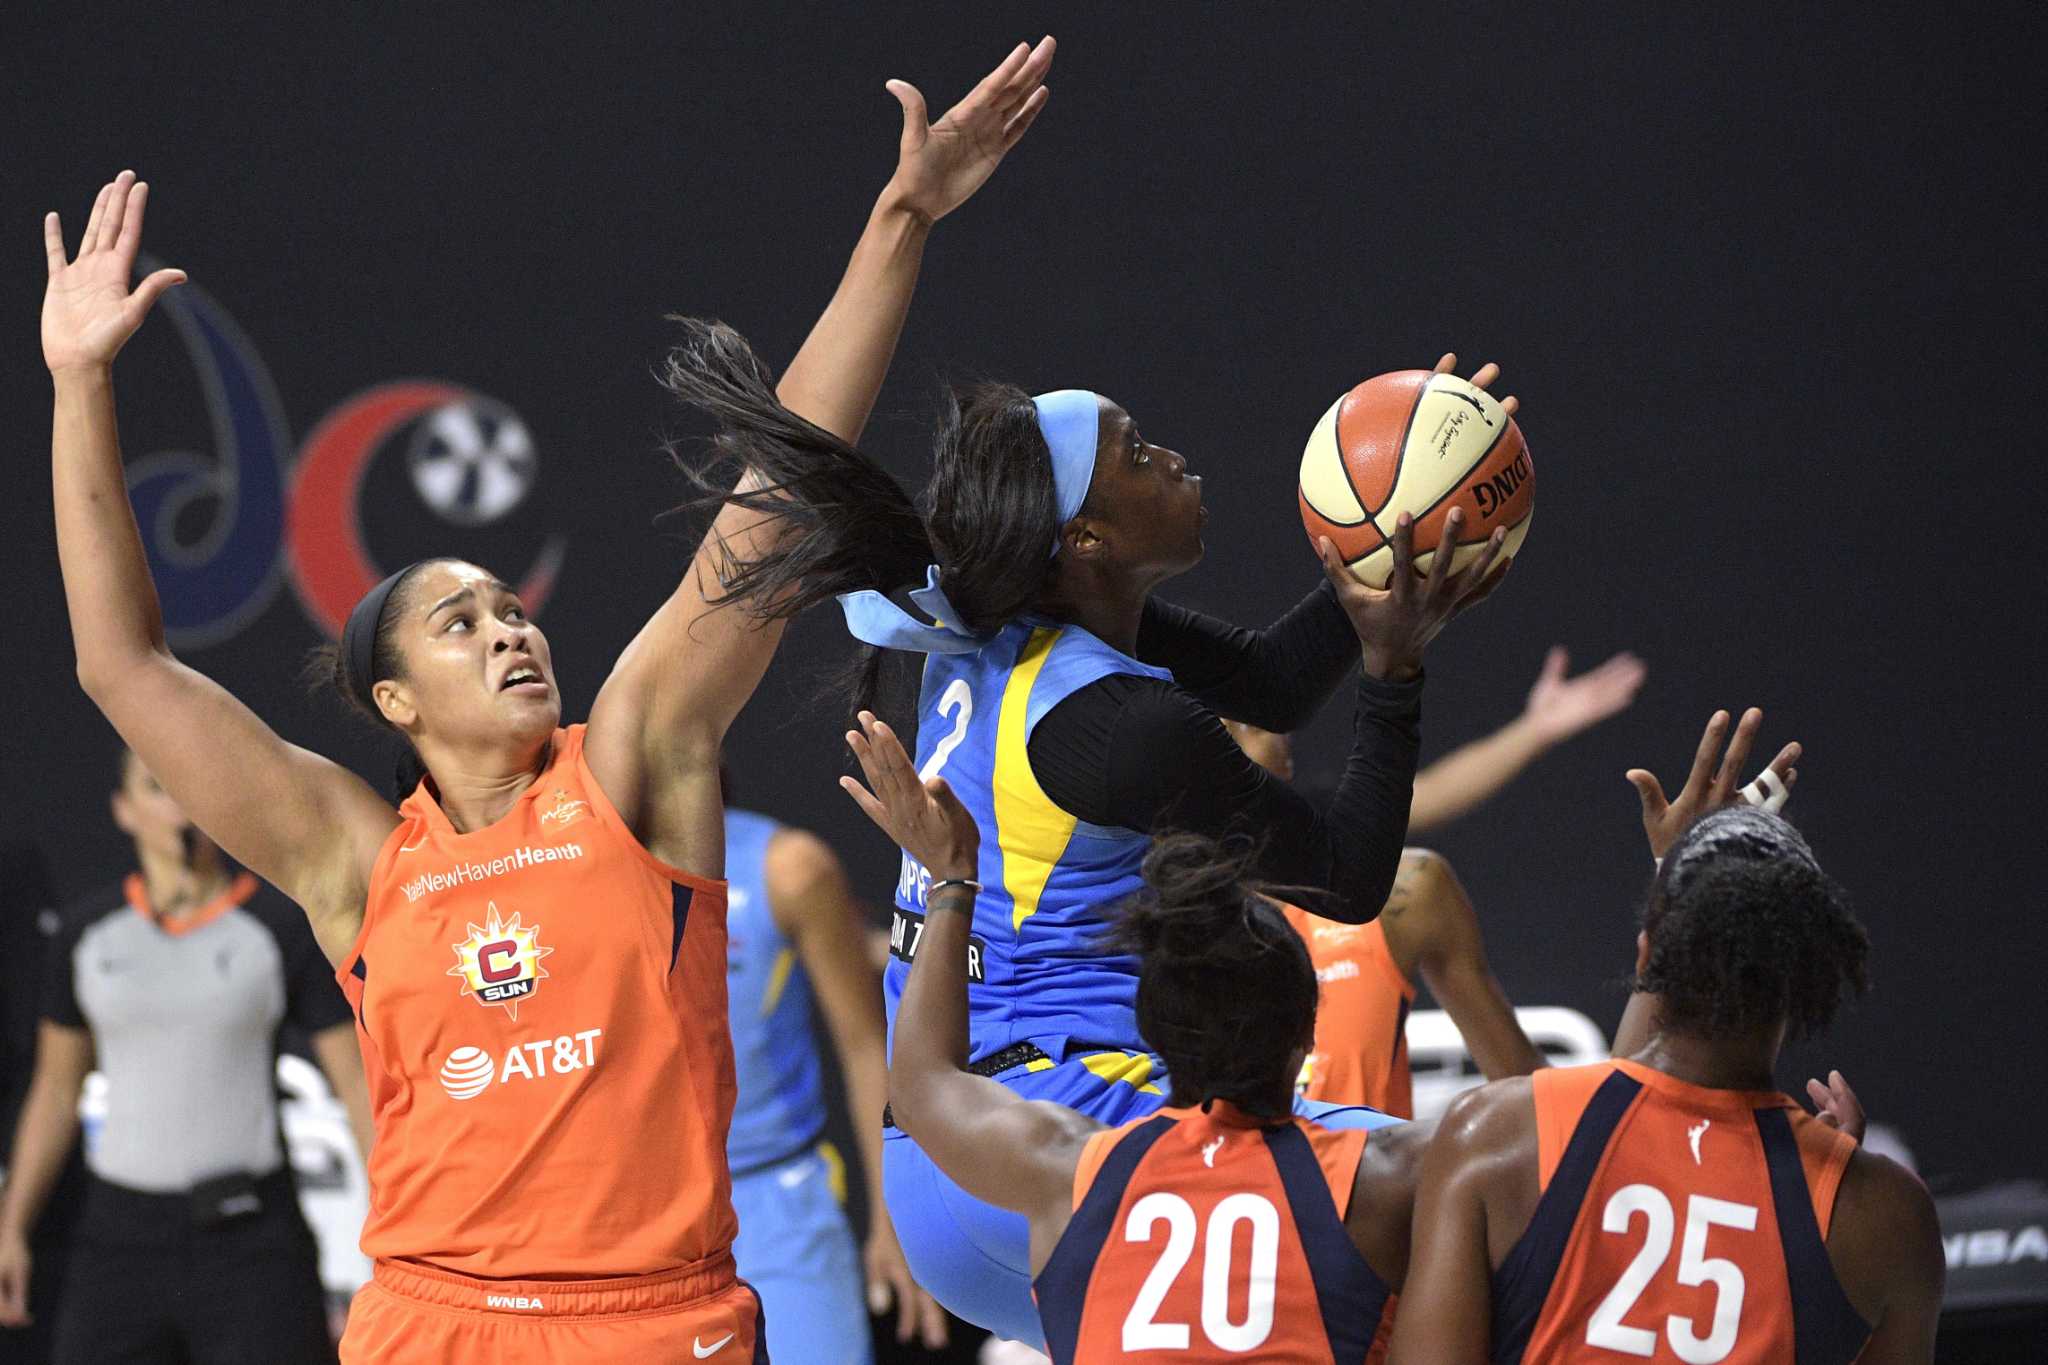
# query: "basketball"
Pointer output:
{"type": "Point", "coordinates": [1418, 442]}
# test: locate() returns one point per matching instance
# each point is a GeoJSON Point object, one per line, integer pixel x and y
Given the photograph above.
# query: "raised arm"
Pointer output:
{"type": "Point", "coordinates": [814, 907]}
{"type": "Point", "coordinates": [657, 723]}
{"type": "Point", "coordinates": [1558, 708]}
{"type": "Point", "coordinates": [305, 824]}
{"type": "Point", "coordinates": [1014, 1153]}
{"type": "Point", "coordinates": [1432, 930]}
{"type": "Point", "coordinates": [1141, 753]}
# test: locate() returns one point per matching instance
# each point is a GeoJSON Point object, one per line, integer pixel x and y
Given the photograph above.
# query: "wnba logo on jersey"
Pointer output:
{"type": "Point", "coordinates": [499, 963]}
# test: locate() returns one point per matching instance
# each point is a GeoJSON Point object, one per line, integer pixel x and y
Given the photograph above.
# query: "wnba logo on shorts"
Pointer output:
{"type": "Point", "coordinates": [499, 962]}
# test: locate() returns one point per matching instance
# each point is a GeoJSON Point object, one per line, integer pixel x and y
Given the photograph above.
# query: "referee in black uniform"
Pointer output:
{"type": "Point", "coordinates": [191, 1247]}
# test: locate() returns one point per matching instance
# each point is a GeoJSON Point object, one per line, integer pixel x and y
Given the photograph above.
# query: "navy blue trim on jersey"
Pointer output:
{"type": "Point", "coordinates": [1826, 1328]}
{"type": "Point", "coordinates": [1351, 1297]}
{"type": "Point", "coordinates": [361, 972]}
{"type": "Point", "coordinates": [1523, 1281]}
{"type": "Point", "coordinates": [1062, 1286]}
{"type": "Point", "coordinates": [679, 897]}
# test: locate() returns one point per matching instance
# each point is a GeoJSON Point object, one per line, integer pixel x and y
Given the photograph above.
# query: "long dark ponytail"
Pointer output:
{"type": "Point", "coordinates": [988, 517]}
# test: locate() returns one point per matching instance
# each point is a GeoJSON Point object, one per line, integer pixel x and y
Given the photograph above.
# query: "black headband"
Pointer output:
{"type": "Point", "coordinates": [359, 637]}
{"type": "Point", "coordinates": [1745, 831]}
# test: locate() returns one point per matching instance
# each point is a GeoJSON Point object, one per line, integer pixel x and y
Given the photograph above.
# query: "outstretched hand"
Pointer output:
{"type": "Point", "coordinates": [1836, 1105]}
{"type": "Point", "coordinates": [924, 817]}
{"type": "Point", "coordinates": [1707, 787]}
{"type": "Point", "coordinates": [89, 312]}
{"type": "Point", "coordinates": [940, 165]}
{"type": "Point", "coordinates": [1560, 707]}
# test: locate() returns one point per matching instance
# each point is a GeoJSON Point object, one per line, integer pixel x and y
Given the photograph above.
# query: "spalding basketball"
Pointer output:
{"type": "Point", "coordinates": [1420, 443]}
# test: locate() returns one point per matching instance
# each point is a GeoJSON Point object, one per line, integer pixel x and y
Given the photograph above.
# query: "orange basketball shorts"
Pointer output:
{"type": "Point", "coordinates": [410, 1313]}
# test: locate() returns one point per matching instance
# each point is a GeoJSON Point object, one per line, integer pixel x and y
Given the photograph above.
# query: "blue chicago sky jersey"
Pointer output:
{"type": "Point", "coordinates": [1036, 972]}
{"type": "Point", "coordinates": [781, 1106]}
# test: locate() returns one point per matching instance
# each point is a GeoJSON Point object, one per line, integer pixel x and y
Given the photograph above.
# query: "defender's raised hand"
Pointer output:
{"type": "Point", "coordinates": [940, 165]}
{"type": "Point", "coordinates": [89, 311]}
{"type": "Point", "coordinates": [925, 818]}
{"type": "Point", "coordinates": [1707, 787]}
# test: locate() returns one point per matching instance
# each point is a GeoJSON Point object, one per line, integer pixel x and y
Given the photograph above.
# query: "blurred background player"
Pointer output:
{"type": "Point", "coordinates": [1673, 1200]}
{"type": "Point", "coordinates": [794, 938]}
{"type": "Point", "coordinates": [176, 982]}
{"type": "Point", "coordinates": [1223, 1226]}
{"type": "Point", "coordinates": [1428, 927]}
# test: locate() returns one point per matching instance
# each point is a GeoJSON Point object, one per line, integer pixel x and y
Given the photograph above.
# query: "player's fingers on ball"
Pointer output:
{"type": "Point", "coordinates": [1484, 376]}
{"type": "Point", "coordinates": [1446, 549]}
{"type": "Point", "coordinates": [1403, 545]}
{"type": "Point", "coordinates": [1447, 362]}
{"type": "Point", "coordinates": [1511, 405]}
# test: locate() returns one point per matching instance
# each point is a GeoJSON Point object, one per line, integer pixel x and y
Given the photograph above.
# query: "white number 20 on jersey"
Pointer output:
{"type": "Point", "coordinates": [1606, 1329]}
{"type": "Point", "coordinates": [1142, 1331]}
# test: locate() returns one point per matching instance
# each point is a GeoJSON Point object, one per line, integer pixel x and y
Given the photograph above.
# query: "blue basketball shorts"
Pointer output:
{"type": "Point", "coordinates": [796, 1249]}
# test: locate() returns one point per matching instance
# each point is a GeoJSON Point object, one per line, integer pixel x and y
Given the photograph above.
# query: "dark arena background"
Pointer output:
{"type": "Point", "coordinates": [1767, 280]}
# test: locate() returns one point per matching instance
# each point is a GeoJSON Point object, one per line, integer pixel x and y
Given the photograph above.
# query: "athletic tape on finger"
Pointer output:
{"type": "Point", "coordinates": [1769, 791]}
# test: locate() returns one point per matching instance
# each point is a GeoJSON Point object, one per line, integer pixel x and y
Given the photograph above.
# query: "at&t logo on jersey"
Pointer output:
{"type": "Point", "coordinates": [499, 963]}
{"type": "Point", "coordinates": [469, 1071]}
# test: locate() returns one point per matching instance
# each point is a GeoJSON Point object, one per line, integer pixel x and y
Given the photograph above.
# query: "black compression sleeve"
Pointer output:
{"type": "Point", "coordinates": [1276, 678]}
{"type": "Point", "coordinates": [1140, 753]}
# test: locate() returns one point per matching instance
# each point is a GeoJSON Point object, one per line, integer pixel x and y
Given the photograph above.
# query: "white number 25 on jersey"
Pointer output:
{"type": "Point", "coordinates": [1606, 1328]}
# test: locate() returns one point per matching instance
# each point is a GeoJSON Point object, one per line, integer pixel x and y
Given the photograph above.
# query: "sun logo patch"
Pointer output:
{"type": "Point", "coordinates": [499, 963]}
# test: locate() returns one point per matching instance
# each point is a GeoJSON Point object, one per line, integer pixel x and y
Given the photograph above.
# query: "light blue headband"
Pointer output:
{"type": "Point", "coordinates": [1069, 421]}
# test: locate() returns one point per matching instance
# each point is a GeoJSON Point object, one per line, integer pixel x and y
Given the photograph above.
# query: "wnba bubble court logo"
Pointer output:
{"type": "Point", "coordinates": [470, 459]}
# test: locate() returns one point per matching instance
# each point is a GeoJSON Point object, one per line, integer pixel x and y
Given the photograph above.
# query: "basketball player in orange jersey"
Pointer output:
{"type": "Point", "coordinates": [534, 941]}
{"type": "Point", "coordinates": [1671, 1204]}
{"type": "Point", "coordinates": [1222, 1226]}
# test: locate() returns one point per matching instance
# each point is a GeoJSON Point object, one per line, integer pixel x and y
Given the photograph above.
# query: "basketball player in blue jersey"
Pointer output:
{"type": "Point", "coordinates": [794, 939]}
{"type": "Point", "coordinates": [1075, 715]}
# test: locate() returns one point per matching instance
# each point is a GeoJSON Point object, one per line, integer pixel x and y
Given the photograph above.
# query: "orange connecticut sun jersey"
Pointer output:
{"type": "Point", "coordinates": [542, 1012]}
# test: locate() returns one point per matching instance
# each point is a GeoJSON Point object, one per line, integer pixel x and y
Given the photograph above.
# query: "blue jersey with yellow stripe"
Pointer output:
{"type": "Point", "coordinates": [1036, 972]}
{"type": "Point", "coordinates": [781, 1106]}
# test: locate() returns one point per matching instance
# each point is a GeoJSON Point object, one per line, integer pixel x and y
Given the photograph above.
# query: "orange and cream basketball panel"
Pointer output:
{"type": "Point", "coordinates": [1416, 442]}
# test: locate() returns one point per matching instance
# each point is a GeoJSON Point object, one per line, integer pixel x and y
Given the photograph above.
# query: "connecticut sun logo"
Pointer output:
{"type": "Point", "coordinates": [499, 962]}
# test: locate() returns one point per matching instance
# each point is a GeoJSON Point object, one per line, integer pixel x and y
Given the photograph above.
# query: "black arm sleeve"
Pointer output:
{"type": "Point", "coordinates": [1276, 678]}
{"type": "Point", "coordinates": [1140, 753]}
